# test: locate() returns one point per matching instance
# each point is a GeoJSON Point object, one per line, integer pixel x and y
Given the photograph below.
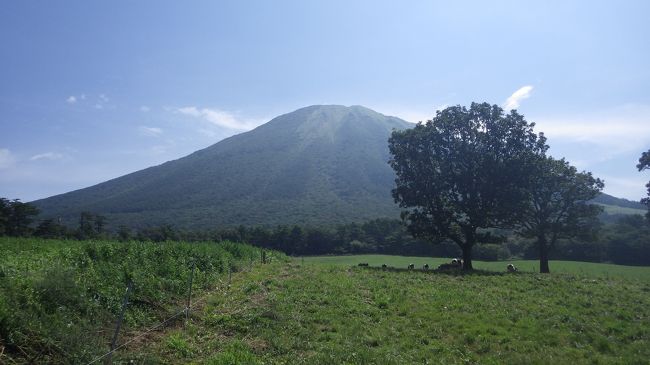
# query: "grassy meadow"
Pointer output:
{"type": "Point", "coordinates": [59, 300]}
{"type": "Point", "coordinates": [583, 269]}
{"type": "Point", "coordinates": [338, 314]}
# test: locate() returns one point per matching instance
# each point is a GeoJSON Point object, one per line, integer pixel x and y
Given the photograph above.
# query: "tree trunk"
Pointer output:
{"type": "Point", "coordinates": [467, 257]}
{"type": "Point", "coordinates": [543, 255]}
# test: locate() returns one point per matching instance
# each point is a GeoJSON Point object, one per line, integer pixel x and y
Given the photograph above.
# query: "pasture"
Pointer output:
{"type": "Point", "coordinates": [59, 299]}
{"type": "Point", "coordinates": [337, 314]}
{"type": "Point", "coordinates": [581, 269]}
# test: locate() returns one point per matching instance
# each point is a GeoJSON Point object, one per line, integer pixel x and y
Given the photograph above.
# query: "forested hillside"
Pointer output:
{"type": "Point", "coordinates": [319, 165]}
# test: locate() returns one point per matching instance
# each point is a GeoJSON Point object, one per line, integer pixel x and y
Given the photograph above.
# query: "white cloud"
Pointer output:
{"type": "Point", "coordinates": [220, 118]}
{"type": "Point", "coordinates": [71, 99]}
{"type": "Point", "coordinates": [514, 100]}
{"type": "Point", "coordinates": [144, 108]}
{"type": "Point", "coordinates": [616, 130]}
{"type": "Point", "coordinates": [150, 131]}
{"type": "Point", "coordinates": [103, 98]}
{"type": "Point", "coordinates": [47, 156]}
{"type": "Point", "coordinates": [6, 158]}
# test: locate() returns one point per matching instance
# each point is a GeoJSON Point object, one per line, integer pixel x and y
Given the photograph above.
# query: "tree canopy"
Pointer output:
{"type": "Point", "coordinates": [16, 217]}
{"type": "Point", "coordinates": [644, 163]}
{"type": "Point", "coordinates": [464, 171]}
{"type": "Point", "coordinates": [557, 206]}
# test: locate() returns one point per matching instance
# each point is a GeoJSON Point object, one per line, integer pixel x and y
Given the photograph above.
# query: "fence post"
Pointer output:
{"type": "Point", "coordinates": [125, 302]}
{"type": "Point", "coordinates": [229, 275]}
{"type": "Point", "coordinates": [189, 293]}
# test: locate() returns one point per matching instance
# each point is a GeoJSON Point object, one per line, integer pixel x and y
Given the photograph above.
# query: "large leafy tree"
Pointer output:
{"type": "Point", "coordinates": [644, 163]}
{"type": "Point", "coordinates": [464, 172]}
{"type": "Point", "coordinates": [558, 205]}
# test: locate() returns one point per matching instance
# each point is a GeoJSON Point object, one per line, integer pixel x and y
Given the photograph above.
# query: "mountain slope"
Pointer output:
{"type": "Point", "coordinates": [316, 165]}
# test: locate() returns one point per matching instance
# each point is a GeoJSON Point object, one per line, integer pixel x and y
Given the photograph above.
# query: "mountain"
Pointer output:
{"type": "Point", "coordinates": [608, 200]}
{"type": "Point", "coordinates": [323, 164]}
{"type": "Point", "coordinates": [614, 208]}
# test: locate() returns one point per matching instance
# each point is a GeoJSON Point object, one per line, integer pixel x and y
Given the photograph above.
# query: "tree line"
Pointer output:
{"type": "Point", "coordinates": [622, 242]}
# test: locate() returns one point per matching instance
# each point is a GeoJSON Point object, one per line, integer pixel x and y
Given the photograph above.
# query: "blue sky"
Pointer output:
{"type": "Point", "coordinates": [90, 91]}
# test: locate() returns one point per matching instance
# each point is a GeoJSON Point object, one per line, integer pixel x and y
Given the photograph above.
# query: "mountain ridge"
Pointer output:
{"type": "Point", "coordinates": [328, 158]}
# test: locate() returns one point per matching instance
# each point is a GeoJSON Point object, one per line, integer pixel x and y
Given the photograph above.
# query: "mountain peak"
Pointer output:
{"type": "Point", "coordinates": [333, 117]}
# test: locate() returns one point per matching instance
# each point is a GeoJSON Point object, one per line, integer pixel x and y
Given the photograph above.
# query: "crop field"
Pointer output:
{"type": "Point", "coordinates": [336, 314]}
{"type": "Point", "coordinates": [59, 300]}
{"type": "Point", "coordinates": [581, 269]}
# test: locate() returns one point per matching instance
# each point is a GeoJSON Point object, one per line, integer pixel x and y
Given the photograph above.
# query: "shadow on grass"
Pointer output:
{"type": "Point", "coordinates": [449, 272]}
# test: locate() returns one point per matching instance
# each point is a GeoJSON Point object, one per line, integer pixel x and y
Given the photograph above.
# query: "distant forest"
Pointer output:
{"type": "Point", "coordinates": [624, 239]}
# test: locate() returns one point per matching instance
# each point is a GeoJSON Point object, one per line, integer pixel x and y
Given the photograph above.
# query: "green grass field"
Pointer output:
{"type": "Point", "coordinates": [583, 269]}
{"type": "Point", "coordinates": [58, 301]}
{"type": "Point", "coordinates": [334, 314]}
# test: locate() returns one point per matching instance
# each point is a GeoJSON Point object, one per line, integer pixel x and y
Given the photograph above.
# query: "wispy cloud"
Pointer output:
{"type": "Point", "coordinates": [7, 159]}
{"type": "Point", "coordinates": [150, 131]}
{"type": "Point", "coordinates": [71, 99]}
{"type": "Point", "coordinates": [515, 99]}
{"type": "Point", "coordinates": [220, 118]}
{"type": "Point", "coordinates": [47, 156]}
{"type": "Point", "coordinates": [144, 109]}
{"type": "Point", "coordinates": [620, 129]}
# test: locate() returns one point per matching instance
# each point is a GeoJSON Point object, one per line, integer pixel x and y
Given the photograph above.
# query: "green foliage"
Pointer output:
{"type": "Point", "coordinates": [235, 353]}
{"type": "Point", "coordinates": [16, 217]}
{"type": "Point", "coordinates": [179, 345]}
{"type": "Point", "coordinates": [557, 206]}
{"type": "Point", "coordinates": [463, 172]}
{"type": "Point", "coordinates": [50, 229]}
{"type": "Point", "coordinates": [644, 163]}
{"type": "Point", "coordinates": [56, 295]}
{"type": "Point", "coordinates": [628, 241]}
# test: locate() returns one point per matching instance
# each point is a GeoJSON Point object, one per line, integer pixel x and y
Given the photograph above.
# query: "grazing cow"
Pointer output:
{"type": "Point", "coordinates": [411, 266]}
{"type": "Point", "coordinates": [425, 267]}
{"type": "Point", "coordinates": [454, 264]}
{"type": "Point", "coordinates": [511, 268]}
{"type": "Point", "coordinates": [363, 264]}
{"type": "Point", "coordinates": [457, 263]}
{"type": "Point", "coordinates": [384, 266]}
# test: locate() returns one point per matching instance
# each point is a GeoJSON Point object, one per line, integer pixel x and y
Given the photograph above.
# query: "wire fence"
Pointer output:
{"type": "Point", "coordinates": [264, 258]}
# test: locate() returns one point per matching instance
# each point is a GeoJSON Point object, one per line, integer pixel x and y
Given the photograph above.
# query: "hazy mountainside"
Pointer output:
{"type": "Point", "coordinates": [606, 199]}
{"type": "Point", "coordinates": [316, 165]}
